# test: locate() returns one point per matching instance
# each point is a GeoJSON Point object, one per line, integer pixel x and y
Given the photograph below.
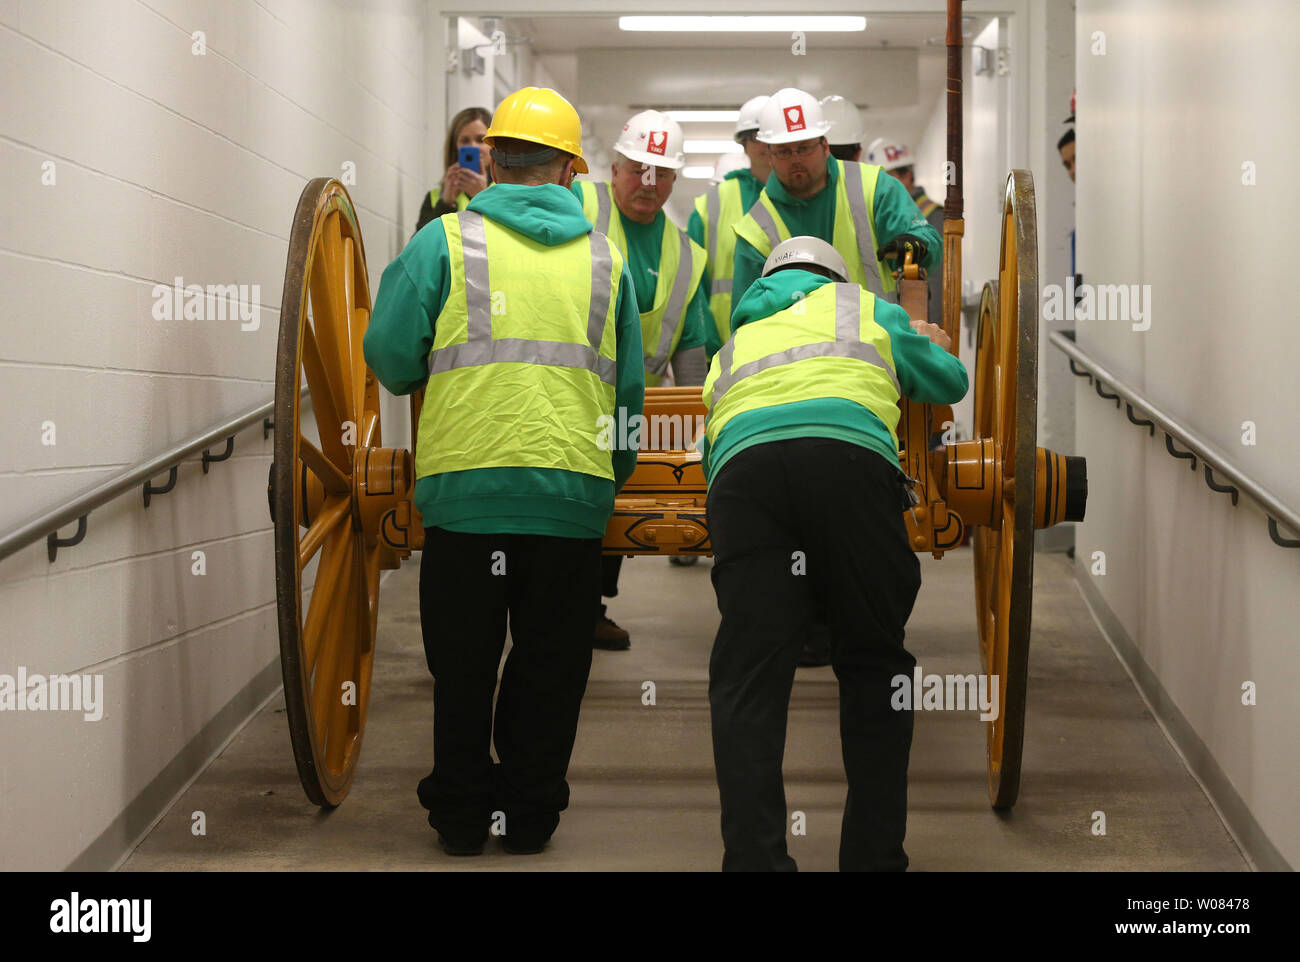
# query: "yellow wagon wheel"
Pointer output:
{"type": "Point", "coordinates": [326, 563]}
{"type": "Point", "coordinates": [1006, 410]}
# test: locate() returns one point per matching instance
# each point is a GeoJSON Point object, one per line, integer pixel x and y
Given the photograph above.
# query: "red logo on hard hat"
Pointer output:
{"type": "Point", "coordinates": [658, 142]}
{"type": "Point", "coordinates": [893, 153]}
{"type": "Point", "coordinates": [794, 118]}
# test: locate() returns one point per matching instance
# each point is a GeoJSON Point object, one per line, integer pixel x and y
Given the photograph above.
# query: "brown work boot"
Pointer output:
{"type": "Point", "coordinates": [609, 636]}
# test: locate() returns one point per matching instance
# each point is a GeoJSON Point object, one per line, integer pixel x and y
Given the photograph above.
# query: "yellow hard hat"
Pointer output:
{"type": "Point", "coordinates": [542, 116]}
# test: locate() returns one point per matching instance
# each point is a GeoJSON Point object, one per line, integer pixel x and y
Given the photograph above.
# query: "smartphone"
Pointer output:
{"type": "Point", "coordinates": [468, 157]}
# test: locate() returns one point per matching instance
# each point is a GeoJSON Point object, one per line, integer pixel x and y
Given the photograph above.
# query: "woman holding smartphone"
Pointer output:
{"type": "Point", "coordinates": [462, 180]}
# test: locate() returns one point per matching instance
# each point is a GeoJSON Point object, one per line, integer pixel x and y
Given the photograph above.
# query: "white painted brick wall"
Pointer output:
{"type": "Point", "coordinates": [168, 164]}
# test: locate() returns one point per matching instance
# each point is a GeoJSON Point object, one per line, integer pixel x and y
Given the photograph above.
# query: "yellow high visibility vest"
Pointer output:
{"type": "Point", "coordinates": [462, 199]}
{"type": "Point", "coordinates": [719, 208]}
{"type": "Point", "coordinates": [926, 206]}
{"type": "Point", "coordinates": [524, 354]}
{"type": "Point", "coordinates": [826, 345]}
{"type": "Point", "coordinates": [854, 231]}
{"type": "Point", "coordinates": [662, 325]}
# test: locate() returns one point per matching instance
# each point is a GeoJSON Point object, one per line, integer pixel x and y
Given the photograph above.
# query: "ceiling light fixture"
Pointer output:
{"type": "Point", "coordinates": [744, 24]}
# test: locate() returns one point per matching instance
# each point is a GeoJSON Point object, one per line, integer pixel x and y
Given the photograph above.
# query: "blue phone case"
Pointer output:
{"type": "Point", "coordinates": [468, 157]}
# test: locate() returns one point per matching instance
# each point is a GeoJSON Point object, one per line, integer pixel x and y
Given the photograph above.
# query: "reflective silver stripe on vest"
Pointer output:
{"type": "Point", "coordinates": [602, 264]}
{"type": "Point", "coordinates": [478, 285]}
{"type": "Point", "coordinates": [675, 311]}
{"type": "Point", "coordinates": [763, 216]}
{"type": "Point", "coordinates": [848, 343]}
{"type": "Point", "coordinates": [480, 348]}
{"type": "Point", "coordinates": [721, 287]}
{"type": "Point", "coordinates": [862, 226]}
{"type": "Point", "coordinates": [713, 207]}
{"type": "Point", "coordinates": [604, 200]}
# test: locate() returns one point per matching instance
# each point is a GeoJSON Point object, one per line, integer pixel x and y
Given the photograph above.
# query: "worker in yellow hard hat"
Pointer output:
{"type": "Point", "coordinates": [667, 268]}
{"type": "Point", "coordinates": [521, 324]}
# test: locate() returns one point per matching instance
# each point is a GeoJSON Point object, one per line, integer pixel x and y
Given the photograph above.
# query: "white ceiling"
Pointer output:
{"type": "Point", "coordinates": [556, 40]}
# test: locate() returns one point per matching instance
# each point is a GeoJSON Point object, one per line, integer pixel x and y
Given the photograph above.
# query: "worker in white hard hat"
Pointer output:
{"type": "Point", "coordinates": [727, 163]}
{"type": "Point", "coordinates": [667, 269]}
{"type": "Point", "coordinates": [719, 208]}
{"type": "Point", "coordinates": [845, 134]}
{"type": "Point", "coordinates": [869, 219]}
{"type": "Point", "coordinates": [806, 502]}
{"type": "Point", "coordinates": [896, 159]}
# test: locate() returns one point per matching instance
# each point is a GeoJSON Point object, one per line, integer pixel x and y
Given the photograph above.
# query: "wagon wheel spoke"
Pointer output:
{"type": "Point", "coordinates": [333, 653]}
{"type": "Point", "coordinates": [357, 320]}
{"type": "Point", "coordinates": [334, 565]}
{"type": "Point", "coordinates": [324, 401]}
{"type": "Point", "coordinates": [331, 515]}
{"type": "Point", "coordinates": [329, 309]}
{"type": "Point", "coordinates": [368, 437]}
{"type": "Point", "coordinates": [340, 713]}
{"type": "Point", "coordinates": [334, 480]}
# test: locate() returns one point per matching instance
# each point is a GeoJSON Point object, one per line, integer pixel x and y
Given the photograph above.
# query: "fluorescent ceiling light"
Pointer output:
{"type": "Point", "coordinates": [704, 116]}
{"type": "Point", "coordinates": [711, 147]}
{"type": "Point", "coordinates": [744, 24]}
{"type": "Point", "coordinates": [697, 173]}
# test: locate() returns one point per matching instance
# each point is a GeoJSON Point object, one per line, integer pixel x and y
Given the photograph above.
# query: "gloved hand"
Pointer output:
{"type": "Point", "coordinates": [895, 249]}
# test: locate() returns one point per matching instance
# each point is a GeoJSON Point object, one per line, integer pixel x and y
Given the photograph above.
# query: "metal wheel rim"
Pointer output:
{"type": "Point", "coordinates": [334, 642]}
{"type": "Point", "coordinates": [1006, 409]}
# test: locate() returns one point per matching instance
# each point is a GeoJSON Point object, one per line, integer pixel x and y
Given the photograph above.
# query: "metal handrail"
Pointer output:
{"type": "Point", "coordinates": [47, 524]}
{"type": "Point", "coordinates": [1214, 461]}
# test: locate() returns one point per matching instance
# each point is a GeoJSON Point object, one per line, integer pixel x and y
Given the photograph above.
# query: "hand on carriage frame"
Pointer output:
{"type": "Point", "coordinates": [934, 332]}
{"type": "Point", "coordinates": [898, 246]}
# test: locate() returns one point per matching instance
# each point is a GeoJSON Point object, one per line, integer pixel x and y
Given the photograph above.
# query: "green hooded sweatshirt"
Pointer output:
{"type": "Point", "coordinates": [926, 372]}
{"type": "Point", "coordinates": [750, 188]}
{"type": "Point", "coordinates": [412, 293]}
{"type": "Point", "coordinates": [894, 213]}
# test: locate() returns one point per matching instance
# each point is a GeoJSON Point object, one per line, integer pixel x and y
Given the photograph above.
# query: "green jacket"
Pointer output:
{"type": "Point", "coordinates": [925, 371]}
{"type": "Point", "coordinates": [397, 345]}
{"type": "Point", "coordinates": [895, 213]}
{"type": "Point", "coordinates": [750, 188]}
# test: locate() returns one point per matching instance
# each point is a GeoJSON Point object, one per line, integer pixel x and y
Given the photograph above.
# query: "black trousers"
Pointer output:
{"type": "Point", "coordinates": [469, 585]}
{"type": "Point", "coordinates": [610, 566]}
{"type": "Point", "coordinates": [797, 526]}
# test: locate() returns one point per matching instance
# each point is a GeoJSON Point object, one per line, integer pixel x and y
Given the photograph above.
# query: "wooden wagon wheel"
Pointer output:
{"type": "Point", "coordinates": [327, 640]}
{"type": "Point", "coordinates": [1006, 409]}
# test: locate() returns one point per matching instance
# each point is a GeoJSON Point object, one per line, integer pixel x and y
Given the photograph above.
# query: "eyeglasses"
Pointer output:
{"type": "Point", "coordinates": [803, 150]}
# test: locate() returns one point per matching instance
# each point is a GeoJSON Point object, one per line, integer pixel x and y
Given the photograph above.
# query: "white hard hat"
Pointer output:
{"type": "Point", "coordinates": [806, 250]}
{"type": "Point", "coordinates": [888, 154]}
{"type": "Point", "coordinates": [652, 137]}
{"type": "Point", "coordinates": [789, 116]}
{"type": "Point", "coordinates": [845, 121]}
{"type": "Point", "coordinates": [748, 119]}
{"type": "Point", "coordinates": [727, 163]}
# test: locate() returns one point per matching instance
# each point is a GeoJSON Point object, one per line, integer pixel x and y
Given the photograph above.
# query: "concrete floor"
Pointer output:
{"type": "Point", "coordinates": [643, 790]}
